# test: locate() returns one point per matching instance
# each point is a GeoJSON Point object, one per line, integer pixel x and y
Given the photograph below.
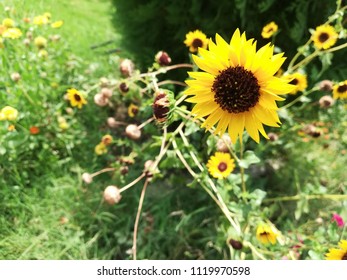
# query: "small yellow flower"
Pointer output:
{"type": "Point", "coordinates": [338, 254]}
{"type": "Point", "coordinates": [267, 233]}
{"type": "Point", "coordinates": [340, 90]}
{"type": "Point", "coordinates": [107, 139]}
{"type": "Point", "coordinates": [220, 165]}
{"type": "Point", "coordinates": [132, 110]}
{"type": "Point", "coordinates": [269, 30]}
{"type": "Point", "coordinates": [43, 53]}
{"type": "Point", "coordinates": [76, 98]}
{"type": "Point", "coordinates": [63, 125]}
{"type": "Point", "coordinates": [57, 24]}
{"type": "Point", "coordinates": [41, 20]}
{"type": "Point", "coordinates": [8, 23]}
{"type": "Point", "coordinates": [195, 40]}
{"type": "Point", "coordinates": [298, 80]}
{"type": "Point", "coordinates": [324, 37]}
{"type": "Point", "coordinates": [40, 42]}
{"type": "Point", "coordinates": [11, 128]}
{"type": "Point", "coordinates": [12, 33]}
{"type": "Point", "coordinates": [100, 149]}
{"type": "Point", "coordinates": [8, 113]}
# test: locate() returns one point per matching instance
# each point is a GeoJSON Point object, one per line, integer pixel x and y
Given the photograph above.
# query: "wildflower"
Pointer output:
{"type": "Point", "coordinates": [162, 58]}
{"type": "Point", "coordinates": [106, 92]}
{"type": "Point", "coordinates": [162, 105]}
{"type": "Point", "coordinates": [123, 87]}
{"type": "Point", "coordinates": [12, 33]}
{"type": "Point", "coordinates": [111, 122]}
{"type": "Point", "coordinates": [11, 128]}
{"type": "Point", "coordinates": [273, 137]}
{"type": "Point", "coordinates": [43, 53]}
{"type": "Point", "coordinates": [338, 219]}
{"type": "Point", "coordinates": [237, 89]}
{"type": "Point", "coordinates": [133, 110]}
{"type": "Point", "coordinates": [87, 178]}
{"type": "Point", "coordinates": [195, 40]}
{"type": "Point", "coordinates": [76, 98]}
{"type": "Point", "coordinates": [223, 143]}
{"type": "Point", "coordinates": [324, 37]}
{"type": "Point", "coordinates": [338, 254]}
{"type": "Point", "coordinates": [26, 42]}
{"type": "Point", "coordinates": [100, 149]}
{"type": "Point", "coordinates": [127, 67]}
{"type": "Point", "coordinates": [326, 101]}
{"type": "Point", "coordinates": [40, 20]}
{"type": "Point", "coordinates": [269, 30]}
{"type": "Point", "coordinates": [298, 80]}
{"type": "Point", "coordinates": [57, 24]}
{"type": "Point", "coordinates": [40, 42]}
{"type": "Point", "coordinates": [267, 234]}
{"type": "Point", "coordinates": [326, 85]}
{"type": "Point", "coordinates": [133, 132]}
{"type": "Point", "coordinates": [8, 23]}
{"type": "Point", "coordinates": [107, 139]}
{"type": "Point", "coordinates": [34, 130]}
{"type": "Point", "coordinates": [48, 15]}
{"type": "Point", "coordinates": [63, 125]}
{"type": "Point", "coordinates": [15, 77]}
{"type": "Point", "coordinates": [340, 90]}
{"type": "Point", "coordinates": [8, 113]}
{"type": "Point", "coordinates": [220, 165]}
{"type": "Point", "coordinates": [112, 195]}
{"type": "Point", "coordinates": [100, 100]}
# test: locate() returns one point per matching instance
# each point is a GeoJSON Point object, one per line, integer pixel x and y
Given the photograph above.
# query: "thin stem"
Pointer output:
{"type": "Point", "coordinates": [254, 250]}
{"type": "Point", "coordinates": [132, 183]}
{"type": "Point", "coordinates": [108, 169]}
{"type": "Point", "coordinates": [242, 170]}
{"type": "Point", "coordinates": [298, 98]}
{"type": "Point", "coordinates": [337, 48]}
{"type": "Point", "coordinates": [145, 123]}
{"type": "Point", "coordinates": [179, 154]}
{"type": "Point", "coordinates": [297, 55]}
{"type": "Point", "coordinates": [307, 197]}
{"type": "Point", "coordinates": [165, 69]}
{"type": "Point", "coordinates": [305, 60]}
{"type": "Point", "coordinates": [136, 225]}
{"type": "Point", "coordinates": [171, 82]}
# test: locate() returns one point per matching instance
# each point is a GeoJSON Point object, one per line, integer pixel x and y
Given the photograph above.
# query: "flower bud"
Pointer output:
{"type": "Point", "coordinates": [127, 67]}
{"type": "Point", "coordinates": [237, 245]}
{"type": "Point", "coordinates": [124, 170]}
{"type": "Point", "coordinates": [326, 101]}
{"type": "Point", "coordinates": [162, 58]}
{"type": "Point", "coordinates": [326, 85]}
{"type": "Point", "coordinates": [15, 77]}
{"type": "Point", "coordinates": [87, 178]}
{"type": "Point", "coordinates": [106, 92]}
{"type": "Point", "coordinates": [100, 100]}
{"type": "Point", "coordinates": [123, 87]}
{"type": "Point", "coordinates": [273, 137]}
{"type": "Point", "coordinates": [161, 106]}
{"type": "Point", "coordinates": [111, 122]}
{"type": "Point", "coordinates": [112, 195]}
{"type": "Point", "coordinates": [223, 143]}
{"type": "Point", "coordinates": [133, 132]}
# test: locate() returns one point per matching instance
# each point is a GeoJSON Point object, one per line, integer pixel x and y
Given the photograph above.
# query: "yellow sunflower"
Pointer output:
{"type": "Point", "coordinates": [76, 98]}
{"type": "Point", "coordinates": [133, 110]}
{"type": "Point", "coordinates": [238, 88]}
{"type": "Point", "coordinates": [269, 30]}
{"type": "Point", "coordinates": [338, 254]}
{"type": "Point", "coordinates": [267, 234]}
{"type": "Point", "coordinates": [298, 80]}
{"type": "Point", "coordinates": [220, 165]}
{"type": "Point", "coordinates": [340, 90]}
{"type": "Point", "coordinates": [324, 37]}
{"type": "Point", "coordinates": [195, 40]}
{"type": "Point", "coordinates": [12, 33]}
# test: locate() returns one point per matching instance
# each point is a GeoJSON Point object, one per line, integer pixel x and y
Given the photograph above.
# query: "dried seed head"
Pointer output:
{"type": "Point", "coordinates": [326, 85]}
{"type": "Point", "coordinates": [133, 132]}
{"type": "Point", "coordinates": [87, 178]}
{"type": "Point", "coordinates": [237, 245]}
{"type": "Point", "coordinates": [123, 87]}
{"type": "Point", "coordinates": [223, 143]}
{"type": "Point", "coordinates": [127, 67]}
{"type": "Point", "coordinates": [106, 92]}
{"type": "Point", "coordinates": [148, 168]}
{"type": "Point", "coordinates": [112, 195]}
{"type": "Point", "coordinates": [100, 100]}
{"type": "Point", "coordinates": [111, 122]}
{"type": "Point", "coordinates": [326, 101]}
{"type": "Point", "coordinates": [273, 137]}
{"type": "Point", "coordinates": [162, 105]}
{"type": "Point", "coordinates": [162, 58]}
{"type": "Point", "coordinates": [15, 77]}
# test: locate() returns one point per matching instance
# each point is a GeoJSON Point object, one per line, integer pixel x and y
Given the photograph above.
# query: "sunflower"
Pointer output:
{"type": "Point", "coordinates": [324, 37]}
{"type": "Point", "coordinates": [238, 88]}
{"type": "Point", "coordinates": [298, 80]}
{"type": "Point", "coordinates": [340, 90]}
{"type": "Point", "coordinates": [267, 234]}
{"type": "Point", "coordinates": [76, 98]}
{"type": "Point", "coordinates": [195, 40]}
{"type": "Point", "coordinates": [133, 110]}
{"type": "Point", "coordinates": [220, 165]}
{"type": "Point", "coordinates": [269, 30]}
{"type": "Point", "coordinates": [338, 254]}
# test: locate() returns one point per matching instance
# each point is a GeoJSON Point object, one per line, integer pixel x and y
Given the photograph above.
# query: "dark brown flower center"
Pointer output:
{"type": "Point", "coordinates": [264, 233]}
{"type": "Point", "coordinates": [323, 37]}
{"type": "Point", "coordinates": [161, 107]}
{"type": "Point", "coordinates": [342, 88]}
{"type": "Point", "coordinates": [294, 82]}
{"type": "Point", "coordinates": [344, 257]}
{"type": "Point", "coordinates": [77, 97]}
{"type": "Point", "coordinates": [197, 43]}
{"type": "Point", "coordinates": [236, 90]}
{"type": "Point", "coordinates": [222, 166]}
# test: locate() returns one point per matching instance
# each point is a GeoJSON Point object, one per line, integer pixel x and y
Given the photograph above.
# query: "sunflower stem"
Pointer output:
{"type": "Point", "coordinates": [298, 98]}
{"type": "Point", "coordinates": [242, 170]}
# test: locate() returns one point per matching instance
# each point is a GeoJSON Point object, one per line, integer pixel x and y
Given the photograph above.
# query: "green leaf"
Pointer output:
{"type": "Point", "coordinates": [249, 158]}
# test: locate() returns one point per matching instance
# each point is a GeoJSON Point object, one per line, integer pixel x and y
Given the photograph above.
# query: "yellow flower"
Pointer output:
{"type": "Point", "coordinates": [57, 24]}
{"type": "Point", "coordinates": [298, 80]}
{"type": "Point", "coordinates": [324, 37]}
{"type": "Point", "coordinates": [340, 90]}
{"type": "Point", "coordinates": [40, 42]}
{"type": "Point", "coordinates": [76, 98]}
{"type": "Point", "coordinates": [338, 254]}
{"type": "Point", "coordinates": [132, 110]}
{"type": "Point", "coordinates": [100, 149]}
{"type": "Point", "coordinates": [8, 23]}
{"type": "Point", "coordinates": [8, 113]}
{"type": "Point", "coordinates": [220, 165]}
{"type": "Point", "coordinates": [195, 40]}
{"type": "Point", "coordinates": [107, 139]}
{"type": "Point", "coordinates": [63, 125]}
{"type": "Point", "coordinates": [269, 30]}
{"type": "Point", "coordinates": [12, 33]}
{"type": "Point", "coordinates": [11, 128]}
{"type": "Point", "coordinates": [47, 15]}
{"type": "Point", "coordinates": [40, 20]}
{"type": "Point", "coordinates": [267, 233]}
{"type": "Point", "coordinates": [238, 88]}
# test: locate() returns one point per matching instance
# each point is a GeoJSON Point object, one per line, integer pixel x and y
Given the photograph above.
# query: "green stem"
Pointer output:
{"type": "Point", "coordinates": [307, 197]}
{"type": "Point", "coordinates": [242, 170]}
{"type": "Point", "coordinates": [298, 98]}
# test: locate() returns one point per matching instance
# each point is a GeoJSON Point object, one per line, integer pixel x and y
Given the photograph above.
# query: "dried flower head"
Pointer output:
{"type": "Point", "coordinates": [100, 100]}
{"type": "Point", "coordinates": [162, 58]}
{"type": "Point", "coordinates": [223, 143]}
{"type": "Point", "coordinates": [87, 178]}
{"type": "Point", "coordinates": [326, 101]}
{"type": "Point", "coordinates": [326, 85]}
{"type": "Point", "coordinates": [127, 67]}
{"type": "Point", "coordinates": [162, 105]}
{"type": "Point", "coordinates": [15, 76]}
{"type": "Point", "coordinates": [133, 131]}
{"type": "Point", "coordinates": [112, 195]}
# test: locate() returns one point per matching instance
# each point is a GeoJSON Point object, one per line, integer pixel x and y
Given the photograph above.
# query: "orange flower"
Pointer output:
{"type": "Point", "coordinates": [34, 130]}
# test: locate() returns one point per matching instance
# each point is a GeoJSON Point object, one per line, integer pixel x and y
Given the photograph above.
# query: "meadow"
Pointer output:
{"type": "Point", "coordinates": [104, 158]}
